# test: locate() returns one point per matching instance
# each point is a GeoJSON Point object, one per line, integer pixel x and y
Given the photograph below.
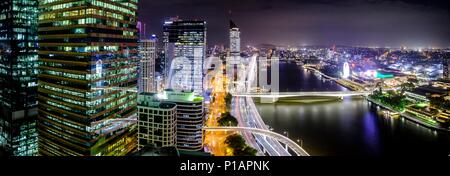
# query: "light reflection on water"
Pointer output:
{"type": "Point", "coordinates": [347, 127]}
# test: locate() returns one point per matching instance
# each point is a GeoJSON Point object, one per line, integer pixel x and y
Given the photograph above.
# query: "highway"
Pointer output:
{"type": "Point", "coordinates": [266, 133]}
{"type": "Point", "coordinates": [244, 109]}
{"type": "Point", "coordinates": [248, 116]}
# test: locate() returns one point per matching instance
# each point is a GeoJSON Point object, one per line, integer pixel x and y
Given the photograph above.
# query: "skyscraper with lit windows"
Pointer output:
{"type": "Point", "coordinates": [235, 40]}
{"type": "Point", "coordinates": [234, 58]}
{"type": "Point", "coordinates": [185, 50]}
{"type": "Point", "coordinates": [18, 76]}
{"type": "Point", "coordinates": [147, 80]}
{"type": "Point", "coordinates": [446, 68]}
{"type": "Point", "coordinates": [89, 56]}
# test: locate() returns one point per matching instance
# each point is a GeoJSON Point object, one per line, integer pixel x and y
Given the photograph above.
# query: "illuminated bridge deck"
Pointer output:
{"type": "Point", "coordinates": [303, 94]}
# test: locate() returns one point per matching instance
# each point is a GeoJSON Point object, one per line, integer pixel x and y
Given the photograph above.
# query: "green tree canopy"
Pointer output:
{"type": "Point", "coordinates": [226, 119]}
{"type": "Point", "coordinates": [237, 143]}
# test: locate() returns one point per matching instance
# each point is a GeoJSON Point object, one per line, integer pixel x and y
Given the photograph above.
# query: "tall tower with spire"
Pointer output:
{"type": "Point", "coordinates": [234, 59]}
{"type": "Point", "coordinates": [235, 40]}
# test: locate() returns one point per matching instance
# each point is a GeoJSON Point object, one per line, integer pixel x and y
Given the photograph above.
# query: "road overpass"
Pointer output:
{"type": "Point", "coordinates": [267, 133]}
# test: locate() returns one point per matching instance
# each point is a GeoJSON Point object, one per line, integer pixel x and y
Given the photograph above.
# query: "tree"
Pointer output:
{"type": "Point", "coordinates": [235, 141]}
{"type": "Point", "coordinates": [391, 93]}
{"type": "Point", "coordinates": [437, 101]}
{"type": "Point", "coordinates": [408, 86]}
{"type": "Point", "coordinates": [413, 80]}
{"type": "Point", "coordinates": [246, 151]}
{"type": "Point", "coordinates": [228, 99]}
{"type": "Point", "coordinates": [226, 119]}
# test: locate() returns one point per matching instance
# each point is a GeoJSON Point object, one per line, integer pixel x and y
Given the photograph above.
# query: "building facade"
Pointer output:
{"type": "Point", "coordinates": [234, 60]}
{"type": "Point", "coordinates": [185, 50]}
{"type": "Point", "coordinates": [147, 77]}
{"type": "Point", "coordinates": [156, 122]}
{"type": "Point", "coordinates": [171, 118]}
{"type": "Point", "coordinates": [190, 119]}
{"type": "Point", "coordinates": [446, 68]}
{"type": "Point", "coordinates": [18, 76]}
{"type": "Point", "coordinates": [235, 40]}
{"type": "Point", "coordinates": [87, 49]}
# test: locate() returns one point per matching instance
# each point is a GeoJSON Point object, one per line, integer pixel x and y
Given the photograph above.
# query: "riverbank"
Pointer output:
{"type": "Point", "coordinates": [403, 114]}
{"type": "Point", "coordinates": [350, 127]}
{"type": "Point", "coordinates": [407, 116]}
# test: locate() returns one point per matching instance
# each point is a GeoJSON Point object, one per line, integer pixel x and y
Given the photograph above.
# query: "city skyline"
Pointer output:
{"type": "Point", "coordinates": [84, 78]}
{"type": "Point", "coordinates": [382, 23]}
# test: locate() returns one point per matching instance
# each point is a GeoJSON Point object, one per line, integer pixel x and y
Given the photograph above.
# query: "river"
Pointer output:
{"type": "Point", "coordinates": [350, 126]}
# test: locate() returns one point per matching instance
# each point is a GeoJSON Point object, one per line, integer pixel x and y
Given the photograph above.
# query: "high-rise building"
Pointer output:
{"type": "Point", "coordinates": [234, 58]}
{"type": "Point", "coordinates": [147, 82]}
{"type": "Point", "coordinates": [18, 76]}
{"type": "Point", "coordinates": [156, 122]}
{"type": "Point", "coordinates": [190, 119]}
{"type": "Point", "coordinates": [159, 123]}
{"type": "Point", "coordinates": [346, 70]}
{"type": "Point", "coordinates": [446, 68]}
{"type": "Point", "coordinates": [88, 60]}
{"type": "Point", "coordinates": [185, 49]}
{"type": "Point", "coordinates": [141, 26]}
{"type": "Point", "coordinates": [235, 40]}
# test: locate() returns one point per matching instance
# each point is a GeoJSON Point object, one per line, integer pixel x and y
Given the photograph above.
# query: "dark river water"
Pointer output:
{"type": "Point", "coordinates": [347, 127]}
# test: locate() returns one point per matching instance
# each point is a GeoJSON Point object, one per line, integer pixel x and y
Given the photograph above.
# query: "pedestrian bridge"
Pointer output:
{"type": "Point", "coordinates": [303, 94]}
{"type": "Point", "coordinates": [299, 151]}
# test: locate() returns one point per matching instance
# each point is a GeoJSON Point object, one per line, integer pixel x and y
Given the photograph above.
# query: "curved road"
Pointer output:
{"type": "Point", "coordinates": [283, 139]}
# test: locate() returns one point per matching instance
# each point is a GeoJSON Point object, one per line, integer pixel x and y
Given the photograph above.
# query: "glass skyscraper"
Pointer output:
{"type": "Point", "coordinates": [18, 76]}
{"type": "Point", "coordinates": [185, 48]}
{"type": "Point", "coordinates": [89, 56]}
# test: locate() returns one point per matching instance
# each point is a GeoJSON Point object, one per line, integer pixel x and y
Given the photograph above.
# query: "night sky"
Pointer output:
{"type": "Point", "coordinates": [392, 23]}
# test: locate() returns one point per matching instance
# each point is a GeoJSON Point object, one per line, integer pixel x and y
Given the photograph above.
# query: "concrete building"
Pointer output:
{"type": "Point", "coordinates": [156, 121]}
{"type": "Point", "coordinates": [190, 119]}
{"type": "Point", "coordinates": [147, 76]}
{"type": "Point", "coordinates": [169, 115]}
{"type": "Point", "coordinates": [235, 40]}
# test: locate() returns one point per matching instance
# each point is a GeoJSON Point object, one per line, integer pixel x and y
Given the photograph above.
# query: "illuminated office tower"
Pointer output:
{"type": "Point", "coordinates": [88, 65]}
{"type": "Point", "coordinates": [446, 68]}
{"type": "Point", "coordinates": [18, 76]}
{"type": "Point", "coordinates": [235, 40]}
{"type": "Point", "coordinates": [234, 58]}
{"type": "Point", "coordinates": [185, 48]}
{"type": "Point", "coordinates": [147, 82]}
{"type": "Point", "coordinates": [156, 122]}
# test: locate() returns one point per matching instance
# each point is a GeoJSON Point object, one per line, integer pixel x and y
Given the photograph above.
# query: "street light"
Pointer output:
{"type": "Point", "coordinates": [287, 135]}
{"type": "Point", "coordinates": [300, 142]}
